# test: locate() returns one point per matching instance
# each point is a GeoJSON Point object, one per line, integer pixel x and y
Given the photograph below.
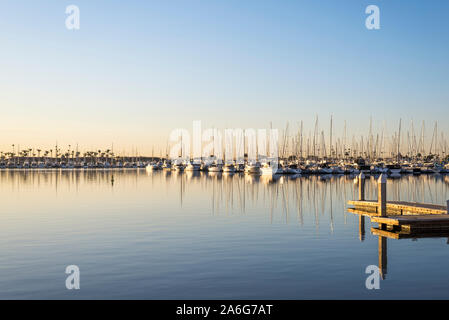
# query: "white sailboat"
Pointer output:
{"type": "Point", "coordinates": [214, 167]}
{"type": "Point", "coordinates": [229, 168]}
{"type": "Point", "coordinates": [267, 169]}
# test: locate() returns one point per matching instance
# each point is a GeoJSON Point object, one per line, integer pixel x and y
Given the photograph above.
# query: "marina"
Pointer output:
{"type": "Point", "coordinates": [308, 167]}
{"type": "Point", "coordinates": [295, 153]}
{"type": "Point", "coordinates": [224, 151]}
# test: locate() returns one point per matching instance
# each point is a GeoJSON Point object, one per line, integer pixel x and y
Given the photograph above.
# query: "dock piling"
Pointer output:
{"type": "Point", "coordinates": [361, 227]}
{"type": "Point", "coordinates": [361, 182]}
{"type": "Point", "coordinates": [383, 257]}
{"type": "Point", "coordinates": [382, 195]}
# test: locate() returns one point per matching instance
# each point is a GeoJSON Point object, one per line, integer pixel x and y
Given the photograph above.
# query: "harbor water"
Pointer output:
{"type": "Point", "coordinates": [194, 235]}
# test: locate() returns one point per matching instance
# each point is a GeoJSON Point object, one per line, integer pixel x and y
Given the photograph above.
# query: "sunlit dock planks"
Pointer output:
{"type": "Point", "coordinates": [400, 207]}
{"type": "Point", "coordinates": [414, 223]}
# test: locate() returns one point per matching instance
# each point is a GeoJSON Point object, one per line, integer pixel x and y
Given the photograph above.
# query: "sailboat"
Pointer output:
{"type": "Point", "coordinates": [192, 166]}
{"type": "Point", "coordinates": [215, 167]}
{"type": "Point", "coordinates": [267, 169]}
{"type": "Point", "coordinates": [229, 167]}
{"type": "Point", "coordinates": [152, 167]}
{"type": "Point", "coordinates": [252, 168]}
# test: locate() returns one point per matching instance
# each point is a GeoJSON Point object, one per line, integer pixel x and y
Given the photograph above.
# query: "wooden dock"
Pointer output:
{"type": "Point", "coordinates": [414, 223]}
{"type": "Point", "coordinates": [402, 234]}
{"type": "Point", "coordinates": [400, 216]}
{"type": "Point", "coordinates": [400, 207]}
{"type": "Point", "coordinates": [398, 219]}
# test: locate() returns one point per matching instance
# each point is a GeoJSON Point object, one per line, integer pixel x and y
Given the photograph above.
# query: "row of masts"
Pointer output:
{"type": "Point", "coordinates": [375, 145]}
{"type": "Point", "coordinates": [297, 145]}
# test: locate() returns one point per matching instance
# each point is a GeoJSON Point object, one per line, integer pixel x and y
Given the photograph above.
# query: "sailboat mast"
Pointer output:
{"type": "Point", "coordinates": [399, 138]}
{"type": "Point", "coordinates": [330, 140]}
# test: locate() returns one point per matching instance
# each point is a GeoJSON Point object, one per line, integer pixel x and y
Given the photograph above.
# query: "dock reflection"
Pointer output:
{"type": "Point", "coordinates": [384, 232]}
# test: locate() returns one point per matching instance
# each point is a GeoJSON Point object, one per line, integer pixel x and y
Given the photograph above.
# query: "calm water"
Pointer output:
{"type": "Point", "coordinates": [197, 236]}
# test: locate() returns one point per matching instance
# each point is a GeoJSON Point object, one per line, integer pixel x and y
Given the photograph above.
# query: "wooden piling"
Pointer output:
{"type": "Point", "coordinates": [382, 195]}
{"type": "Point", "coordinates": [383, 257]}
{"type": "Point", "coordinates": [361, 227]}
{"type": "Point", "coordinates": [361, 182]}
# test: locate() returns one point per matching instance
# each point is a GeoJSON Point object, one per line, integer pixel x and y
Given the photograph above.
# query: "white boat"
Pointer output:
{"type": "Point", "coordinates": [267, 169]}
{"type": "Point", "coordinates": [193, 167]}
{"type": "Point", "coordinates": [215, 168]}
{"type": "Point", "coordinates": [166, 165]}
{"type": "Point", "coordinates": [252, 168]}
{"type": "Point", "coordinates": [152, 167]}
{"type": "Point", "coordinates": [437, 168]}
{"type": "Point", "coordinates": [177, 167]}
{"type": "Point", "coordinates": [394, 169]}
{"type": "Point", "coordinates": [229, 168]}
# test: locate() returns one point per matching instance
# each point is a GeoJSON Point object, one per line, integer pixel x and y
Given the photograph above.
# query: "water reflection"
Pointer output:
{"type": "Point", "coordinates": [233, 193]}
{"type": "Point", "coordinates": [169, 230]}
{"type": "Point", "coordinates": [384, 232]}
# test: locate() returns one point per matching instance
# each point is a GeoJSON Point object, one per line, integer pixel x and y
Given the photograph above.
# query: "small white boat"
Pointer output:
{"type": "Point", "coordinates": [394, 169]}
{"type": "Point", "coordinates": [266, 169]}
{"type": "Point", "coordinates": [166, 165]}
{"type": "Point", "coordinates": [152, 167]}
{"type": "Point", "coordinates": [437, 169]}
{"type": "Point", "coordinates": [193, 167]}
{"type": "Point", "coordinates": [215, 168]}
{"type": "Point", "coordinates": [252, 168]}
{"type": "Point", "coordinates": [229, 168]}
{"type": "Point", "coordinates": [177, 166]}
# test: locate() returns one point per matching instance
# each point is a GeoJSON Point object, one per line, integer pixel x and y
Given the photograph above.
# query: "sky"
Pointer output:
{"type": "Point", "coordinates": [135, 70]}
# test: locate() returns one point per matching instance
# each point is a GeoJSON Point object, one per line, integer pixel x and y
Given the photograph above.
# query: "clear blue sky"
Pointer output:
{"type": "Point", "coordinates": [138, 69]}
